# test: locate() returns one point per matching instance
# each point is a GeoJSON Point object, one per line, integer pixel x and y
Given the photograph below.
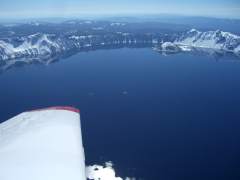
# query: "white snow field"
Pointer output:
{"type": "Point", "coordinates": [45, 144]}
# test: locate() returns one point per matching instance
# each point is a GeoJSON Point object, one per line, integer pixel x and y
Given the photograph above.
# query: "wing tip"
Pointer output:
{"type": "Point", "coordinates": [66, 108]}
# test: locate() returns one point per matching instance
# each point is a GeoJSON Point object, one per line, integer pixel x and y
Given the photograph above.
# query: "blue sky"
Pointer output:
{"type": "Point", "coordinates": [74, 8]}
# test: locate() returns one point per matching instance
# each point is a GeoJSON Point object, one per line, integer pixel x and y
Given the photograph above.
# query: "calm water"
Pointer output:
{"type": "Point", "coordinates": [156, 117]}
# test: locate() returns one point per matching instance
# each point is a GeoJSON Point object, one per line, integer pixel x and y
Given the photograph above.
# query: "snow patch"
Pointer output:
{"type": "Point", "coordinates": [117, 24]}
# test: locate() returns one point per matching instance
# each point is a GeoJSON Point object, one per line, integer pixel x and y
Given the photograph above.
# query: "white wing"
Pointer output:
{"type": "Point", "coordinates": [45, 144]}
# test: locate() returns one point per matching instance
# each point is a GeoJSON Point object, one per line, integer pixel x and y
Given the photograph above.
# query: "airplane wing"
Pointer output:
{"type": "Point", "coordinates": [44, 144]}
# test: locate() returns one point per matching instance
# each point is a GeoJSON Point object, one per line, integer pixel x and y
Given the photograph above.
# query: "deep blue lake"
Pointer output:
{"type": "Point", "coordinates": [155, 117]}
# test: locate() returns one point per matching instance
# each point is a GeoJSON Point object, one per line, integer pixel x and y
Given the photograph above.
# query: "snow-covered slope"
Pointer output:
{"type": "Point", "coordinates": [30, 46]}
{"type": "Point", "coordinates": [218, 40]}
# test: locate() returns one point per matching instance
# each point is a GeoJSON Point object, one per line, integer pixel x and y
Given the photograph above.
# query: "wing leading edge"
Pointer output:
{"type": "Point", "coordinates": [45, 144]}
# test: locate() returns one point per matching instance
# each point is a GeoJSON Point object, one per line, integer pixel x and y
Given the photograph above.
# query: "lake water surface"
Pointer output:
{"type": "Point", "coordinates": [155, 117]}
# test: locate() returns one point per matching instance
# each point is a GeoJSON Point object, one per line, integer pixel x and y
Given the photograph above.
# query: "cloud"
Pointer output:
{"type": "Point", "coordinates": [106, 172]}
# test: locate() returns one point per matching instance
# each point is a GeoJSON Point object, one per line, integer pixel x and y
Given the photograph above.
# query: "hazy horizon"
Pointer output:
{"type": "Point", "coordinates": [167, 18]}
{"type": "Point", "coordinates": [13, 9]}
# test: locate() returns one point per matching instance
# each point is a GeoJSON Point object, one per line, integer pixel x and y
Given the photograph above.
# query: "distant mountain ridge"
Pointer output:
{"type": "Point", "coordinates": [210, 39]}
{"type": "Point", "coordinates": [45, 47]}
{"type": "Point", "coordinates": [215, 40]}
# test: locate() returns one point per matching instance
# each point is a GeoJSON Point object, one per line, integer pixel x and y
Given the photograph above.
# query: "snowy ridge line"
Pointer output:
{"type": "Point", "coordinates": [46, 46]}
{"type": "Point", "coordinates": [43, 47]}
{"type": "Point", "coordinates": [193, 39]}
{"type": "Point", "coordinates": [219, 40]}
{"type": "Point", "coordinates": [33, 45]}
